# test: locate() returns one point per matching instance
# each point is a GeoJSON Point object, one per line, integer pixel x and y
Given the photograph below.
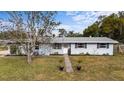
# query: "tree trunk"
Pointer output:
{"type": "Point", "coordinates": [29, 60]}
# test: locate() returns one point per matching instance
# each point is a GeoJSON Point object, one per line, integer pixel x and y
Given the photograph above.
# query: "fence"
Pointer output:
{"type": "Point", "coordinates": [119, 48]}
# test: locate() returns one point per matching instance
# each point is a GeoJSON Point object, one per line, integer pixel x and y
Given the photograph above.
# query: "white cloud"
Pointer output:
{"type": "Point", "coordinates": [78, 17]}
{"type": "Point", "coordinates": [5, 23]}
{"type": "Point", "coordinates": [71, 27]}
{"type": "Point", "coordinates": [86, 18]}
{"type": "Point", "coordinates": [83, 19]}
{"type": "Point", "coordinates": [105, 12]}
{"type": "Point", "coordinates": [90, 17]}
{"type": "Point", "coordinates": [65, 26]}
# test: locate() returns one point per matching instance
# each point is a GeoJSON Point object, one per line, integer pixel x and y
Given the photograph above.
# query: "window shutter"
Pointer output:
{"type": "Point", "coordinates": [75, 45]}
{"type": "Point", "coordinates": [97, 45]}
{"type": "Point", "coordinates": [85, 45]}
{"type": "Point", "coordinates": [107, 45]}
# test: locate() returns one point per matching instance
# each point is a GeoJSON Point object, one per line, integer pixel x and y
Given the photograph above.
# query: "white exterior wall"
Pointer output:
{"type": "Point", "coordinates": [59, 51]}
{"type": "Point", "coordinates": [92, 49]}
{"type": "Point", "coordinates": [5, 52]}
{"type": "Point", "coordinates": [45, 49]}
{"type": "Point", "coordinates": [102, 51]}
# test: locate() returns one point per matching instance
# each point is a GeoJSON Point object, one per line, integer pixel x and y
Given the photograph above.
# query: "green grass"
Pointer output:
{"type": "Point", "coordinates": [99, 67]}
{"type": "Point", "coordinates": [46, 68]}
{"type": "Point", "coordinates": [16, 68]}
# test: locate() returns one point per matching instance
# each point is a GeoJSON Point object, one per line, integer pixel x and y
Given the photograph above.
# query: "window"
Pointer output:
{"type": "Point", "coordinates": [57, 46]}
{"type": "Point", "coordinates": [102, 45]}
{"type": "Point", "coordinates": [37, 47]}
{"type": "Point", "coordinates": [80, 45]}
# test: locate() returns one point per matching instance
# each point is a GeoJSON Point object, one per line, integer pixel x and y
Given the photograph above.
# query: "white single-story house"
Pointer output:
{"type": "Point", "coordinates": [76, 46]}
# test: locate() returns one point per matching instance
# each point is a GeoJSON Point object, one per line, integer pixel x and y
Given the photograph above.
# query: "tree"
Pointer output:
{"type": "Point", "coordinates": [37, 26]}
{"type": "Point", "coordinates": [70, 34]}
{"type": "Point", "coordinates": [121, 17]}
{"type": "Point", "coordinates": [62, 32]}
{"type": "Point", "coordinates": [74, 34]}
{"type": "Point", "coordinates": [92, 30]}
{"type": "Point", "coordinates": [108, 26]}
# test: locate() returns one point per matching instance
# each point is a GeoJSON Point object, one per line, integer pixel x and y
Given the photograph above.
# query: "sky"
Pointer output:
{"type": "Point", "coordinates": [79, 20]}
{"type": "Point", "coordinates": [73, 20]}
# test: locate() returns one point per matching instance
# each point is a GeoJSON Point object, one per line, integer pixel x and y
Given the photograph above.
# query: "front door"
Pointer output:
{"type": "Point", "coordinates": [65, 48]}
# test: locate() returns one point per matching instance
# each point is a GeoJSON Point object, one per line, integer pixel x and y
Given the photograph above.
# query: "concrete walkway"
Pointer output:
{"type": "Point", "coordinates": [68, 64]}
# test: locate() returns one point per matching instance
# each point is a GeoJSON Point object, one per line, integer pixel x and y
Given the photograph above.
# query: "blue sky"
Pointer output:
{"type": "Point", "coordinates": [74, 20]}
{"type": "Point", "coordinates": [79, 20]}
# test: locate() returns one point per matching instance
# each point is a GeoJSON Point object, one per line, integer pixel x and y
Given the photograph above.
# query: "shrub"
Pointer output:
{"type": "Point", "coordinates": [106, 54]}
{"type": "Point", "coordinates": [13, 49]}
{"type": "Point", "coordinates": [79, 61]}
{"type": "Point", "coordinates": [60, 61]}
{"type": "Point", "coordinates": [61, 68]}
{"type": "Point", "coordinates": [82, 54]}
{"type": "Point", "coordinates": [56, 53]}
{"type": "Point", "coordinates": [78, 67]}
{"type": "Point", "coordinates": [87, 54]}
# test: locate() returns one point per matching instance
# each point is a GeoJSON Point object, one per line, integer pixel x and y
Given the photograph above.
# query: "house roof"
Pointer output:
{"type": "Point", "coordinates": [73, 40]}
{"type": "Point", "coordinates": [83, 40]}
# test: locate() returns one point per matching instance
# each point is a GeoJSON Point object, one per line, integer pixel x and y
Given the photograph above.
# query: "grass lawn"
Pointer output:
{"type": "Point", "coordinates": [99, 67]}
{"type": "Point", "coordinates": [45, 68]}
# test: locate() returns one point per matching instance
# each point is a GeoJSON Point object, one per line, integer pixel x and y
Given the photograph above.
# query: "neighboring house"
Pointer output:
{"type": "Point", "coordinates": [76, 46]}
{"type": "Point", "coordinates": [5, 52]}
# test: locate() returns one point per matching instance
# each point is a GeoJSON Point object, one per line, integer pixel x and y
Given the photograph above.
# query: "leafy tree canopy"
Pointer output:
{"type": "Point", "coordinates": [108, 26]}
